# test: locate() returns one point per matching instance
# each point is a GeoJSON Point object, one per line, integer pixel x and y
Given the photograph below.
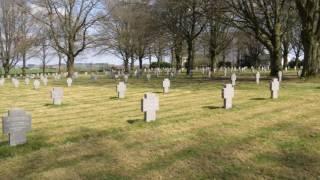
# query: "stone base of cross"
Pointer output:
{"type": "Point", "coordinates": [149, 105]}
{"type": "Point", "coordinates": [227, 95]}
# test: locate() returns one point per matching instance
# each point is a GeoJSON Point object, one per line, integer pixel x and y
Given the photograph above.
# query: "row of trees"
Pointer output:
{"type": "Point", "coordinates": [139, 29]}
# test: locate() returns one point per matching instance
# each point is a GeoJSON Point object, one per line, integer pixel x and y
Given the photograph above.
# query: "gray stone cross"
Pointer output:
{"type": "Point", "coordinates": [36, 84]}
{"type": "Point", "coordinates": [69, 82]}
{"type": "Point", "coordinates": [227, 95]}
{"type": "Point", "coordinates": [258, 78]}
{"type": "Point", "coordinates": [16, 124]}
{"type": "Point", "coordinates": [274, 88]}
{"type": "Point", "coordinates": [57, 95]}
{"type": "Point", "coordinates": [233, 79]}
{"type": "Point", "coordinates": [149, 105]}
{"type": "Point", "coordinates": [121, 90]}
{"type": "Point", "coordinates": [166, 85]}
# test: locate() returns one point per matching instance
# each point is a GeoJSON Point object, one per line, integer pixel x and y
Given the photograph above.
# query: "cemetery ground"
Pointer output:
{"type": "Point", "coordinates": [95, 135]}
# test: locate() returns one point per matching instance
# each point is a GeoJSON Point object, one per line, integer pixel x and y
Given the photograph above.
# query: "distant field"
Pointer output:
{"type": "Point", "coordinates": [93, 135]}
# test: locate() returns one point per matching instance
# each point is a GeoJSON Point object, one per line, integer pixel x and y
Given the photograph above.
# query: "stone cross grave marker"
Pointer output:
{"type": "Point", "coordinates": [274, 88]}
{"type": "Point", "coordinates": [16, 123]}
{"type": "Point", "coordinates": [166, 85]}
{"type": "Point", "coordinates": [36, 84]}
{"type": "Point", "coordinates": [148, 77]}
{"type": "Point", "coordinates": [280, 76]}
{"type": "Point", "coordinates": [233, 79]}
{"type": "Point", "coordinates": [57, 95]}
{"type": "Point", "coordinates": [2, 81]}
{"type": "Point", "coordinates": [149, 105]}
{"type": "Point", "coordinates": [27, 81]}
{"type": "Point", "coordinates": [69, 82]}
{"type": "Point", "coordinates": [227, 95]}
{"type": "Point", "coordinates": [121, 90]}
{"type": "Point", "coordinates": [15, 82]}
{"type": "Point", "coordinates": [45, 81]}
{"type": "Point", "coordinates": [258, 78]}
{"type": "Point", "coordinates": [126, 77]}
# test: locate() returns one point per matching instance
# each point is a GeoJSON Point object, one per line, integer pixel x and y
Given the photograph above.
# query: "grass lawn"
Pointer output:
{"type": "Point", "coordinates": [94, 135]}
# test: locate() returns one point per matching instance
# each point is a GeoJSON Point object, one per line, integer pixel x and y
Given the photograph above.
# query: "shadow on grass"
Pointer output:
{"type": "Point", "coordinates": [212, 107]}
{"type": "Point", "coordinates": [56, 106]}
{"type": "Point", "coordinates": [158, 92]}
{"type": "Point", "coordinates": [34, 143]}
{"type": "Point", "coordinates": [258, 99]}
{"type": "Point", "coordinates": [134, 121]}
{"type": "Point", "coordinates": [114, 98]}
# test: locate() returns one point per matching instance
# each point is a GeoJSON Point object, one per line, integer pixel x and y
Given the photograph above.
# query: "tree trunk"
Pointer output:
{"type": "Point", "coordinates": [126, 64]}
{"type": "Point", "coordinates": [310, 54]}
{"type": "Point", "coordinates": [60, 59]}
{"type": "Point", "coordinates": [132, 63]}
{"type": "Point", "coordinates": [70, 66]}
{"type": "Point", "coordinates": [213, 56]}
{"type": "Point", "coordinates": [178, 52]}
{"type": "Point", "coordinates": [285, 57]}
{"type": "Point", "coordinates": [6, 68]}
{"type": "Point", "coordinates": [24, 64]}
{"type": "Point", "coordinates": [43, 68]}
{"type": "Point", "coordinates": [190, 57]}
{"type": "Point", "coordinates": [140, 62]}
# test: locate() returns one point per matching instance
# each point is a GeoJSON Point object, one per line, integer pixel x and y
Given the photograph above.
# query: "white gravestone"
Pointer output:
{"type": "Point", "coordinates": [2, 81]}
{"type": "Point", "coordinates": [149, 105]}
{"type": "Point", "coordinates": [227, 95]}
{"type": "Point", "coordinates": [233, 79]}
{"type": "Point", "coordinates": [258, 78]}
{"type": "Point", "coordinates": [299, 73]}
{"type": "Point", "coordinates": [166, 85]}
{"type": "Point", "coordinates": [126, 77]}
{"type": "Point", "coordinates": [27, 81]}
{"type": "Point", "coordinates": [15, 82]}
{"type": "Point", "coordinates": [280, 76]}
{"type": "Point", "coordinates": [16, 123]}
{"type": "Point", "coordinates": [36, 84]}
{"type": "Point", "coordinates": [45, 81]}
{"type": "Point", "coordinates": [148, 77]}
{"type": "Point", "coordinates": [69, 82]}
{"type": "Point", "coordinates": [57, 95]}
{"type": "Point", "coordinates": [274, 88]}
{"type": "Point", "coordinates": [121, 90]}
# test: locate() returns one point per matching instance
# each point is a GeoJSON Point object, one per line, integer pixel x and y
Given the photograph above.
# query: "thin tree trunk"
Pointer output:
{"type": "Point", "coordinates": [70, 66]}
{"type": "Point", "coordinates": [24, 64]}
{"type": "Point", "coordinates": [190, 57]}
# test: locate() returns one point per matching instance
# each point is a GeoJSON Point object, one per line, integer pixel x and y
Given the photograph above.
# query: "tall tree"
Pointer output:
{"type": "Point", "coordinates": [266, 20]}
{"type": "Point", "coordinates": [70, 24]}
{"type": "Point", "coordinates": [309, 12]}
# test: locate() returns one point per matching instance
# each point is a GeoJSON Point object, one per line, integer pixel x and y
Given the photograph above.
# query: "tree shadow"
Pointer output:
{"type": "Point", "coordinates": [56, 106]}
{"type": "Point", "coordinates": [114, 98]}
{"type": "Point", "coordinates": [258, 99]}
{"type": "Point", "coordinates": [212, 107]}
{"type": "Point", "coordinates": [134, 121]}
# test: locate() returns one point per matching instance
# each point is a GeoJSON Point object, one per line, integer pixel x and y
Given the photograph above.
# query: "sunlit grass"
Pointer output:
{"type": "Point", "coordinates": [94, 135]}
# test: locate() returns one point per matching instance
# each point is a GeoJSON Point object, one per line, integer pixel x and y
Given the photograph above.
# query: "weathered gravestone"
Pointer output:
{"type": "Point", "coordinates": [36, 84]}
{"type": "Point", "coordinates": [166, 85]}
{"type": "Point", "coordinates": [27, 81]}
{"type": "Point", "coordinates": [149, 105]}
{"type": "Point", "coordinates": [233, 79]}
{"type": "Point", "coordinates": [2, 81]}
{"type": "Point", "coordinates": [15, 82]}
{"type": "Point", "coordinates": [57, 95]}
{"type": "Point", "coordinates": [126, 77]}
{"type": "Point", "coordinates": [69, 82]}
{"type": "Point", "coordinates": [45, 81]}
{"type": "Point", "coordinates": [227, 95]}
{"type": "Point", "coordinates": [274, 88]}
{"type": "Point", "coordinates": [299, 73]}
{"type": "Point", "coordinates": [280, 76]}
{"type": "Point", "coordinates": [16, 124]}
{"type": "Point", "coordinates": [258, 78]}
{"type": "Point", "coordinates": [121, 90]}
{"type": "Point", "coordinates": [148, 77]}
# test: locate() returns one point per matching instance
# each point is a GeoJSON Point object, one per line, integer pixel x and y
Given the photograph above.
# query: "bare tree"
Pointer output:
{"type": "Point", "coordinates": [11, 37]}
{"type": "Point", "coordinates": [266, 20]}
{"type": "Point", "coordinates": [70, 24]}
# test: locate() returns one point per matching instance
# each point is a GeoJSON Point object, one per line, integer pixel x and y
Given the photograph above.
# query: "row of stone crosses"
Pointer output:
{"type": "Point", "coordinates": [16, 123]}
